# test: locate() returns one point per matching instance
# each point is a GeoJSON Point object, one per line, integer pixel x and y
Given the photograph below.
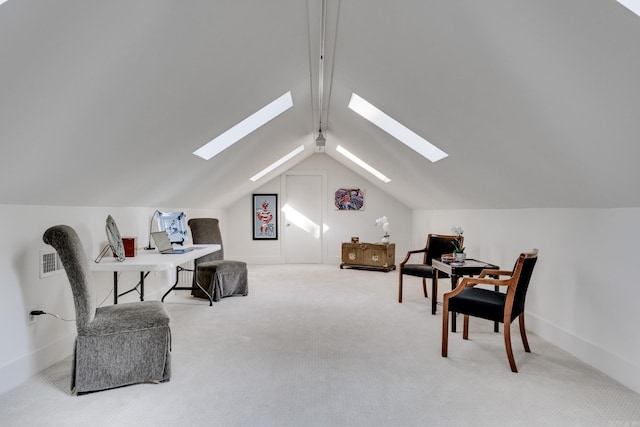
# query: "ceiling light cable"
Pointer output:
{"type": "Point", "coordinates": [323, 31]}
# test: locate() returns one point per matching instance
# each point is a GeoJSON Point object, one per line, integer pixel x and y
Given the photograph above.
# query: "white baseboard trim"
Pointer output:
{"type": "Point", "coordinates": [622, 370]}
{"type": "Point", "coordinates": [279, 260]}
{"type": "Point", "coordinates": [261, 260]}
{"type": "Point", "coordinates": [20, 370]}
{"type": "Point", "coordinates": [333, 260]}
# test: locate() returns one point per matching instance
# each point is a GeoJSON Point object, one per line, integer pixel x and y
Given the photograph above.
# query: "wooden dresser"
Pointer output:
{"type": "Point", "coordinates": [369, 256]}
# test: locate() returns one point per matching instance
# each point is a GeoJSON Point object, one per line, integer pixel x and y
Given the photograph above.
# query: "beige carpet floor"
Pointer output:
{"type": "Point", "coordinates": [313, 345]}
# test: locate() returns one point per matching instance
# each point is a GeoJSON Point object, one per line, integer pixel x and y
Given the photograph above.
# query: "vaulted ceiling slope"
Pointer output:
{"type": "Point", "coordinates": [536, 103]}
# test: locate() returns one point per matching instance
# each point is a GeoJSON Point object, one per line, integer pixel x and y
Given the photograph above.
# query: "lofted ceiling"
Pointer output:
{"type": "Point", "coordinates": [536, 102]}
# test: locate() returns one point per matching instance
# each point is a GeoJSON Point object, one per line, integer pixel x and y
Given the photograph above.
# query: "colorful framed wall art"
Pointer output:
{"type": "Point", "coordinates": [265, 217]}
{"type": "Point", "coordinates": [349, 199]}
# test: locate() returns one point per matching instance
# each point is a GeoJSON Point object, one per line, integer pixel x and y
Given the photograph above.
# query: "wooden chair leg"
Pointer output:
{"type": "Point", "coordinates": [465, 327]}
{"type": "Point", "coordinates": [523, 333]}
{"type": "Point", "coordinates": [507, 345]}
{"type": "Point", "coordinates": [445, 327]}
{"type": "Point", "coordinates": [434, 293]}
{"type": "Point", "coordinates": [424, 287]}
{"type": "Point", "coordinates": [400, 287]}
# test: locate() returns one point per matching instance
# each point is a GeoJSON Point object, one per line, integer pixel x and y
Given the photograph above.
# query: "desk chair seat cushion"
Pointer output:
{"type": "Point", "coordinates": [222, 278]}
{"type": "Point", "coordinates": [478, 302]}
{"type": "Point", "coordinates": [420, 270]}
{"type": "Point", "coordinates": [125, 344]}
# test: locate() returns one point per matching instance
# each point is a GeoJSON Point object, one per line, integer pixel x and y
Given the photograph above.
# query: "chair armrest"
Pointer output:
{"type": "Point", "coordinates": [488, 272]}
{"type": "Point", "coordinates": [416, 251]}
{"type": "Point", "coordinates": [470, 282]}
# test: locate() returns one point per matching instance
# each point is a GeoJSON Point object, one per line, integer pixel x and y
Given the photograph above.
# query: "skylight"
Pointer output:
{"type": "Point", "coordinates": [277, 163]}
{"type": "Point", "coordinates": [355, 159]}
{"type": "Point", "coordinates": [395, 129]}
{"type": "Point", "coordinates": [245, 127]}
{"type": "Point", "coordinates": [632, 5]}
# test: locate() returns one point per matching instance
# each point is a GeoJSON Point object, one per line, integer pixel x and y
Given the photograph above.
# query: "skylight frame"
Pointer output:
{"type": "Point", "coordinates": [364, 165]}
{"type": "Point", "coordinates": [632, 5]}
{"type": "Point", "coordinates": [395, 129]}
{"type": "Point", "coordinates": [277, 163]}
{"type": "Point", "coordinates": [245, 127]}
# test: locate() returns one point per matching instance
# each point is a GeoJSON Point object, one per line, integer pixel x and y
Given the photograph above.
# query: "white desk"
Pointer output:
{"type": "Point", "coordinates": [147, 261]}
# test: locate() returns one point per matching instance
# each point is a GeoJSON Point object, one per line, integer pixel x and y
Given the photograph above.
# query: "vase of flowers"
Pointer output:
{"type": "Point", "coordinates": [458, 249]}
{"type": "Point", "coordinates": [384, 222]}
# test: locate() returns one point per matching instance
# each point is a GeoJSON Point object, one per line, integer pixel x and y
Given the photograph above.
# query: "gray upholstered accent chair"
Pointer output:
{"type": "Point", "coordinates": [220, 277]}
{"type": "Point", "coordinates": [116, 345]}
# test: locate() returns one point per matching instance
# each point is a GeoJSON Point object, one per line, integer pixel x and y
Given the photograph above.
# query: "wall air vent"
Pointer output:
{"type": "Point", "coordinates": [50, 264]}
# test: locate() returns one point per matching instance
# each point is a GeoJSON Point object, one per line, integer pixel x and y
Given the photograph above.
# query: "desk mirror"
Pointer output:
{"type": "Point", "coordinates": [115, 241]}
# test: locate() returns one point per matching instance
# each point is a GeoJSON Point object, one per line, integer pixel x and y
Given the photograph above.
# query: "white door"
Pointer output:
{"type": "Point", "coordinates": [302, 211]}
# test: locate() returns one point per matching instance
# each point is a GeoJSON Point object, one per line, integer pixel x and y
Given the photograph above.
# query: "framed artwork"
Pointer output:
{"type": "Point", "coordinates": [265, 217]}
{"type": "Point", "coordinates": [174, 224]}
{"type": "Point", "coordinates": [349, 199]}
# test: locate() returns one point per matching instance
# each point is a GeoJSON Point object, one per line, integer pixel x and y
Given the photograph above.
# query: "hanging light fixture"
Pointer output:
{"type": "Point", "coordinates": [320, 141]}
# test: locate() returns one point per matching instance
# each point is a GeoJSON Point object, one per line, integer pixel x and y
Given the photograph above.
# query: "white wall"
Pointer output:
{"type": "Point", "coordinates": [38, 346]}
{"type": "Point", "coordinates": [27, 349]}
{"type": "Point", "coordinates": [341, 224]}
{"type": "Point", "coordinates": [582, 298]}
{"type": "Point", "coordinates": [584, 291]}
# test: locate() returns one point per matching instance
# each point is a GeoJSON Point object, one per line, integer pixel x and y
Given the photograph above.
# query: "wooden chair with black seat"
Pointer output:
{"type": "Point", "coordinates": [492, 305]}
{"type": "Point", "coordinates": [436, 246]}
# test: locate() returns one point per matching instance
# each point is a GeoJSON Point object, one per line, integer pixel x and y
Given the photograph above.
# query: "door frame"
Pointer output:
{"type": "Point", "coordinates": [323, 209]}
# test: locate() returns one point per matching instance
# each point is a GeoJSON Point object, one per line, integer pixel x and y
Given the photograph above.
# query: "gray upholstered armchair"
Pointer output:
{"type": "Point", "coordinates": [116, 345]}
{"type": "Point", "coordinates": [220, 277]}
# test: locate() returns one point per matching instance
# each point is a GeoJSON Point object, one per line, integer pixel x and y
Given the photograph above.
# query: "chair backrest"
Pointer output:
{"type": "Point", "coordinates": [66, 242]}
{"type": "Point", "coordinates": [528, 260]}
{"type": "Point", "coordinates": [206, 231]}
{"type": "Point", "coordinates": [438, 245]}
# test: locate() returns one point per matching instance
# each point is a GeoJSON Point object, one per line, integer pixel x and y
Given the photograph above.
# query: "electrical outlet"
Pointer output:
{"type": "Point", "coordinates": [31, 319]}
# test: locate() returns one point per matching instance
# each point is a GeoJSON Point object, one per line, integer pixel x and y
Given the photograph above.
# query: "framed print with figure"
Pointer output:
{"type": "Point", "coordinates": [349, 199]}
{"type": "Point", "coordinates": [265, 217]}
